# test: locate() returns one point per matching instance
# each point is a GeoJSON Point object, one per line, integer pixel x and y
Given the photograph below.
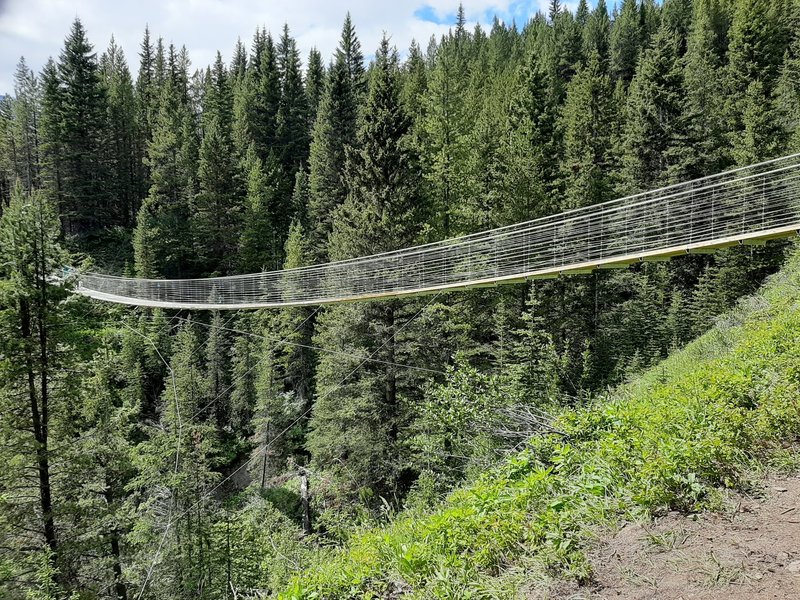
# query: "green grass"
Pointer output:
{"type": "Point", "coordinates": [718, 410]}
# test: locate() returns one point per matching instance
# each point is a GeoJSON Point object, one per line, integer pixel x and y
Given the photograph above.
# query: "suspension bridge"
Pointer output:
{"type": "Point", "coordinates": [748, 205]}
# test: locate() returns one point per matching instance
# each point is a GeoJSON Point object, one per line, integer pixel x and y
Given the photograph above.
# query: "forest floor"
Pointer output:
{"type": "Point", "coordinates": [750, 550]}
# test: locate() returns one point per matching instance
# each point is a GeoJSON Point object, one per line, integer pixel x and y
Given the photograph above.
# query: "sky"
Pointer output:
{"type": "Point", "coordinates": [36, 29]}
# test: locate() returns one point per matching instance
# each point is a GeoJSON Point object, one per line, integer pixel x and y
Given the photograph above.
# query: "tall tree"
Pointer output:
{"type": "Point", "coordinates": [121, 134]}
{"type": "Point", "coordinates": [217, 207]}
{"type": "Point", "coordinates": [382, 212]}
{"type": "Point", "coordinates": [626, 41]}
{"type": "Point", "coordinates": [162, 239]}
{"type": "Point", "coordinates": [87, 205]}
{"type": "Point", "coordinates": [315, 84]}
{"type": "Point", "coordinates": [292, 123]}
{"type": "Point", "coordinates": [25, 117]}
{"type": "Point", "coordinates": [334, 130]}
{"type": "Point", "coordinates": [588, 124]}
{"type": "Point", "coordinates": [35, 401]}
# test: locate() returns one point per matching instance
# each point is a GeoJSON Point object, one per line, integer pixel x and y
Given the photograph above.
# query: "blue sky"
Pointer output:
{"type": "Point", "coordinates": [36, 28]}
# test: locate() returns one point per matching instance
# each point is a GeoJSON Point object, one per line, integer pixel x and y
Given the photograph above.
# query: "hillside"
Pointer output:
{"type": "Point", "coordinates": [710, 418]}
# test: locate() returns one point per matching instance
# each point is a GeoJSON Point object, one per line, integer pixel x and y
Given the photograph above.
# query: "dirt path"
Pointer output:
{"type": "Point", "coordinates": [750, 552]}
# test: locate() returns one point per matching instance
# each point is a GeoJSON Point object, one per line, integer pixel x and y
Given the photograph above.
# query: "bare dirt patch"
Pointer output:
{"type": "Point", "coordinates": [751, 551]}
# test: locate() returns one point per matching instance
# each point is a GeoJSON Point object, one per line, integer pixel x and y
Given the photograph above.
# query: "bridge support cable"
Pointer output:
{"type": "Point", "coordinates": [756, 202]}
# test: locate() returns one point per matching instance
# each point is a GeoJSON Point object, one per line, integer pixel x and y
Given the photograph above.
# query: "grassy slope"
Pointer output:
{"type": "Point", "coordinates": [698, 422]}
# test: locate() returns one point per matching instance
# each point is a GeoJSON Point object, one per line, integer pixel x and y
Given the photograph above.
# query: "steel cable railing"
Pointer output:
{"type": "Point", "coordinates": [755, 202]}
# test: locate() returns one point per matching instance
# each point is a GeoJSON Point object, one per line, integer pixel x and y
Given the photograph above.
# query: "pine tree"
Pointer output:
{"type": "Point", "coordinates": [162, 239]}
{"type": "Point", "coordinates": [588, 116]}
{"type": "Point", "coordinates": [531, 148]}
{"type": "Point", "coordinates": [349, 53]}
{"type": "Point", "coordinates": [654, 109]}
{"type": "Point", "coordinates": [292, 122]}
{"type": "Point", "coordinates": [597, 34]}
{"type": "Point", "coordinates": [147, 96]}
{"type": "Point", "coordinates": [36, 409]}
{"type": "Point", "coordinates": [315, 85]}
{"type": "Point", "coordinates": [217, 214]}
{"type": "Point", "coordinates": [260, 241]}
{"type": "Point", "coordinates": [334, 131]}
{"type": "Point", "coordinates": [124, 182]}
{"type": "Point", "coordinates": [704, 149]}
{"type": "Point", "coordinates": [626, 41]}
{"type": "Point", "coordinates": [51, 134]}
{"type": "Point", "coordinates": [759, 38]}
{"type": "Point", "coordinates": [217, 371]}
{"type": "Point", "coordinates": [175, 478]}
{"type": "Point", "coordinates": [789, 96]}
{"type": "Point", "coordinates": [382, 212]}
{"type": "Point", "coordinates": [25, 117]}
{"type": "Point", "coordinates": [444, 132]}
{"type": "Point", "coordinates": [84, 182]}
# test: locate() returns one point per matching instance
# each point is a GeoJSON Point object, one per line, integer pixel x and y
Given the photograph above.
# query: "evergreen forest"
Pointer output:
{"type": "Point", "coordinates": [445, 446]}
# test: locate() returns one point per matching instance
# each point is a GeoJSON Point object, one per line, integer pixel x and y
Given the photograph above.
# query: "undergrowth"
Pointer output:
{"type": "Point", "coordinates": [724, 406]}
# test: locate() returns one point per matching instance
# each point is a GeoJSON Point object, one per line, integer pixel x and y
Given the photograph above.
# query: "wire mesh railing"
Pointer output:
{"type": "Point", "coordinates": [755, 202]}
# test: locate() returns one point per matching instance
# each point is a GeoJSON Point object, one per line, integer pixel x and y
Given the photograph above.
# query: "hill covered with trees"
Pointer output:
{"type": "Point", "coordinates": [169, 454]}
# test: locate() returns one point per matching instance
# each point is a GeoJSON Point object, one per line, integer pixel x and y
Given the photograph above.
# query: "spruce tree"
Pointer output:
{"type": "Point", "coordinates": [597, 34]}
{"type": "Point", "coordinates": [444, 132]}
{"type": "Point", "coordinates": [334, 131]}
{"type": "Point", "coordinates": [382, 212]}
{"type": "Point", "coordinates": [292, 123]}
{"type": "Point", "coordinates": [654, 110]}
{"type": "Point", "coordinates": [121, 134]}
{"type": "Point", "coordinates": [217, 214]}
{"type": "Point", "coordinates": [260, 241]}
{"type": "Point", "coordinates": [147, 96]}
{"type": "Point", "coordinates": [87, 206]}
{"type": "Point", "coordinates": [51, 134]}
{"type": "Point", "coordinates": [34, 400]}
{"type": "Point", "coordinates": [162, 239]}
{"type": "Point", "coordinates": [704, 149]}
{"type": "Point", "coordinates": [315, 85]}
{"type": "Point", "coordinates": [626, 41]}
{"type": "Point", "coordinates": [587, 122]}
{"type": "Point", "coordinates": [175, 478]}
{"type": "Point", "coordinates": [25, 118]}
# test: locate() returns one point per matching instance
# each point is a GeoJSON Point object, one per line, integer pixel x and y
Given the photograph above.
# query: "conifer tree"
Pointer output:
{"type": "Point", "coordinates": [704, 149]}
{"type": "Point", "coordinates": [529, 152]}
{"type": "Point", "coordinates": [597, 34]}
{"type": "Point", "coordinates": [51, 134]}
{"type": "Point", "coordinates": [292, 123]}
{"type": "Point", "coordinates": [35, 406]}
{"type": "Point", "coordinates": [315, 85]}
{"type": "Point", "coordinates": [444, 135]}
{"type": "Point", "coordinates": [162, 239]}
{"type": "Point", "coordinates": [147, 96]}
{"type": "Point", "coordinates": [382, 212]}
{"type": "Point", "coordinates": [124, 182]}
{"type": "Point", "coordinates": [217, 214]}
{"type": "Point", "coordinates": [175, 478]}
{"type": "Point", "coordinates": [334, 130]}
{"type": "Point", "coordinates": [626, 41]}
{"type": "Point", "coordinates": [588, 117]}
{"type": "Point", "coordinates": [24, 121]}
{"type": "Point", "coordinates": [654, 108]}
{"type": "Point", "coordinates": [260, 241]}
{"type": "Point", "coordinates": [84, 181]}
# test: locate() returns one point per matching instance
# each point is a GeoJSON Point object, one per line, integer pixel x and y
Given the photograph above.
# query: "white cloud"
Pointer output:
{"type": "Point", "coordinates": [37, 28]}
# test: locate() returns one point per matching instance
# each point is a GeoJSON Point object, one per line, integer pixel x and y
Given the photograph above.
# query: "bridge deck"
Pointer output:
{"type": "Point", "coordinates": [744, 206]}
